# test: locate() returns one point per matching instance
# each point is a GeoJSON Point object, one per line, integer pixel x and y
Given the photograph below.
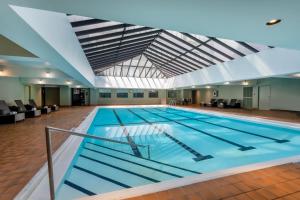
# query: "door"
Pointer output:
{"type": "Point", "coordinates": [264, 97]}
{"type": "Point", "coordinates": [194, 96]}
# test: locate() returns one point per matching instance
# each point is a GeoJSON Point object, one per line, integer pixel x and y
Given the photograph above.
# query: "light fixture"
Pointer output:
{"type": "Point", "coordinates": [245, 83]}
{"type": "Point", "coordinates": [1, 72]}
{"type": "Point", "coordinates": [227, 83]}
{"type": "Point", "coordinates": [78, 86]}
{"type": "Point", "coordinates": [193, 86]}
{"type": "Point", "coordinates": [296, 75]}
{"type": "Point", "coordinates": [208, 86]}
{"type": "Point", "coordinates": [48, 74]}
{"type": "Point", "coordinates": [273, 22]}
{"type": "Point", "coordinates": [40, 81]}
{"type": "Point", "coordinates": [68, 82]}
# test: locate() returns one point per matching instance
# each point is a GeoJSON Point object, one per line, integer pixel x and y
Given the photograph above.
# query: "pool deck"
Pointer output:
{"type": "Point", "coordinates": [23, 152]}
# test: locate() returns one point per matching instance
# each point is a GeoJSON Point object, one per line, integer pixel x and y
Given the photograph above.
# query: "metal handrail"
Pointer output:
{"type": "Point", "coordinates": [48, 131]}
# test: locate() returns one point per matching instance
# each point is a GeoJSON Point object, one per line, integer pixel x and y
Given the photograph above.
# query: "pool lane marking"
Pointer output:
{"type": "Point", "coordinates": [246, 132]}
{"type": "Point", "coordinates": [119, 168]}
{"type": "Point", "coordinates": [155, 161]}
{"type": "Point", "coordinates": [133, 146]}
{"type": "Point", "coordinates": [101, 177]}
{"type": "Point", "coordinates": [116, 157]}
{"type": "Point", "coordinates": [241, 147]}
{"type": "Point", "coordinates": [79, 188]}
{"type": "Point", "coordinates": [198, 155]}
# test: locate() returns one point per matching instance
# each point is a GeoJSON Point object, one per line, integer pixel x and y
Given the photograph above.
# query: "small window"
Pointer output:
{"type": "Point", "coordinates": [105, 95]}
{"type": "Point", "coordinates": [138, 95]}
{"type": "Point", "coordinates": [153, 94]}
{"type": "Point", "coordinates": [122, 95]}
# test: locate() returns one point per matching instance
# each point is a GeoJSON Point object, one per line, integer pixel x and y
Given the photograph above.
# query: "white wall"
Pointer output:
{"type": "Point", "coordinates": [11, 89]}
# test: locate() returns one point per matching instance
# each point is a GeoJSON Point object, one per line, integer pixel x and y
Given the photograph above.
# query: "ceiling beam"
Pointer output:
{"type": "Point", "coordinates": [87, 22]}
{"type": "Point", "coordinates": [101, 29]}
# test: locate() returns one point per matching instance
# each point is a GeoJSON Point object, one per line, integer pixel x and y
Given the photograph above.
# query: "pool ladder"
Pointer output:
{"type": "Point", "coordinates": [49, 130]}
{"type": "Point", "coordinates": [172, 102]}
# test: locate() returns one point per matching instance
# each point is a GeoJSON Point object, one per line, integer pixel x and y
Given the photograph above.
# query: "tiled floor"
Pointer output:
{"type": "Point", "coordinates": [280, 182]}
{"type": "Point", "coordinates": [22, 147]}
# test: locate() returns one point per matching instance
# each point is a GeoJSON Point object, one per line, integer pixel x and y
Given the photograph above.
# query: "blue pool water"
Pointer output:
{"type": "Point", "coordinates": [176, 143]}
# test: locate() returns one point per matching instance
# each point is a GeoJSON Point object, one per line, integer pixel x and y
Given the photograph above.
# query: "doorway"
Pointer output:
{"type": "Point", "coordinates": [264, 95]}
{"type": "Point", "coordinates": [194, 96]}
{"type": "Point", "coordinates": [50, 96]}
{"type": "Point", "coordinates": [80, 96]}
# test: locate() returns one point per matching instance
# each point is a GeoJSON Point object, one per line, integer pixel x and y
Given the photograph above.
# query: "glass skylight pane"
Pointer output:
{"type": "Point", "coordinates": [75, 18]}
{"type": "Point", "coordinates": [223, 49]}
{"type": "Point", "coordinates": [205, 56]}
{"type": "Point", "coordinates": [94, 26]}
{"type": "Point", "coordinates": [214, 53]}
{"type": "Point", "coordinates": [259, 47]}
{"type": "Point", "coordinates": [177, 42]}
{"type": "Point", "coordinates": [197, 58]}
{"type": "Point", "coordinates": [200, 37]}
{"type": "Point", "coordinates": [183, 37]}
{"type": "Point", "coordinates": [236, 46]}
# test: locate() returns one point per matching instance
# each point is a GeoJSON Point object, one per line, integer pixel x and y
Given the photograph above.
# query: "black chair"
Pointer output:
{"type": "Point", "coordinates": [45, 109]}
{"type": "Point", "coordinates": [28, 110]}
{"type": "Point", "coordinates": [222, 103]}
{"type": "Point", "coordinates": [6, 116]}
{"type": "Point", "coordinates": [234, 103]}
{"type": "Point", "coordinates": [212, 103]}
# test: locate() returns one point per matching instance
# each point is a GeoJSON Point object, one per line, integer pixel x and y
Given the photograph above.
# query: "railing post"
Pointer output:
{"type": "Point", "coordinates": [50, 163]}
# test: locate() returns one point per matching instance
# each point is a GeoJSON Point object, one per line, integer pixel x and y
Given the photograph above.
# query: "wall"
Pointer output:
{"type": "Point", "coordinates": [65, 96]}
{"type": "Point", "coordinates": [205, 95]}
{"type": "Point", "coordinates": [11, 89]}
{"type": "Point", "coordinates": [96, 100]}
{"type": "Point", "coordinates": [285, 93]}
{"type": "Point", "coordinates": [36, 94]}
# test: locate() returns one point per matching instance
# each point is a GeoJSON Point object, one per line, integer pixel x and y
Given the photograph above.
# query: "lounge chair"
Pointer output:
{"type": "Point", "coordinates": [28, 110]}
{"type": "Point", "coordinates": [6, 116]}
{"type": "Point", "coordinates": [45, 109]}
{"type": "Point", "coordinates": [54, 107]}
{"type": "Point", "coordinates": [234, 103]}
{"type": "Point", "coordinates": [212, 103]}
{"type": "Point", "coordinates": [222, 103]}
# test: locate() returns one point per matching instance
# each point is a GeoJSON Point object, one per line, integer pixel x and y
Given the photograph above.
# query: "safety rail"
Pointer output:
{"type": "Point", "coordinates": [172, 102]}
{"type": "Point", "coordinates": [49, 130]}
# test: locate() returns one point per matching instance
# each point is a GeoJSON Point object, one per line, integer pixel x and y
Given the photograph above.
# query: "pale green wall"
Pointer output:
{"type": "Point", "coordinates": [11, 89]}
{"type": "Point", "coordinates": [36, 94]}
{"type": "Point", "coordinates": [65, 96]}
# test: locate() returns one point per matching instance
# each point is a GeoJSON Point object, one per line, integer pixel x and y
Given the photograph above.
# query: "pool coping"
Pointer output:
{"type": "Point", "coordinates": [38, 187]}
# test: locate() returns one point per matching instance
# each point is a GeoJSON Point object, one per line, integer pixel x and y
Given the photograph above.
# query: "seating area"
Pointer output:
{"type": "Point", "coordinates": [19, 112]}
{"type": "Point", "coordinates": [223, 103]}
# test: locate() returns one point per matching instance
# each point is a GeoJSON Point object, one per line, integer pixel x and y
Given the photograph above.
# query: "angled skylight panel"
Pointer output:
{"type": "Point", "coordinates": [223, 49]}
{"type": "Point", "coordinates": [236, 46]}
{"type": "Point", "coordinates": [259, 47]}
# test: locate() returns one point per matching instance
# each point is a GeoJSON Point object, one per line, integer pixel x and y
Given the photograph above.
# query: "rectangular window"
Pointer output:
{"type": "Point", "coordinates": [153, 94]}
{"type": "Point", "coordinates": [105, 95]}
{"type": "Point", "coordinates": [122, 95]}
{"type": "Point", "coordinates": [138, 95]}
{"type": "Point", "coordinates": [172, 94]}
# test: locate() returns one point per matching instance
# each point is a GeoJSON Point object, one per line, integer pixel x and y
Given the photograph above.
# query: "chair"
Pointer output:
{"type": "Point", "coordinates": [234, 103]}
{"type": "Point", "coordinates": [28, 110]}
{"type": "Point", "coordinates": [222, 103]}
{"type": "Point", "coordinates": [6, 116]}
{"type": "Point", "coordinates": [45, 109]}
{"type": "Point", "coordinates": [212, 103]}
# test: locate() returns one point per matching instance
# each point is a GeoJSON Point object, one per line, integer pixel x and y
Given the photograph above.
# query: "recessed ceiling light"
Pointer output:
{"type": "Point", "coordinates": [48, 74]}
{"type": "Point", "coordinates": [41, 81]}
{"type": "Point", "coordinates": [193, 86]}
{"type": "Point", "coordinates": [207, 86]}
{"type": "Point", "coordinates": [273, 22]}
{"type": "Point", "coordinates": [227, 83]}
{"type": "Point", "coordinates": [78, 86]}
{"type": "Point", "coordinates": [68, 82]}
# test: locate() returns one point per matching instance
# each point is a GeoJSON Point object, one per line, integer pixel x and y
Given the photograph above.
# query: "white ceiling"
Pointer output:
{"type": "Point", "coordinates": [230, 19]}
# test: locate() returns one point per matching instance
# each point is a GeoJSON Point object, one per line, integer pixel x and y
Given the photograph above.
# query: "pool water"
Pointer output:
{"type": "Point", "coordinates": [167, 143]}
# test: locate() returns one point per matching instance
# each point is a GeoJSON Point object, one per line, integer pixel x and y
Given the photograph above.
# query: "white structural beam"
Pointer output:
{"type": "Point", "coordinates": [268, 63]}
{"type": "Point", "coordinates": [48, 35]}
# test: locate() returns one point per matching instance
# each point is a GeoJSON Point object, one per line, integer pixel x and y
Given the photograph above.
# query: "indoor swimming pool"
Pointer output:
{"type": "Point", "coordinates": [167, 143]}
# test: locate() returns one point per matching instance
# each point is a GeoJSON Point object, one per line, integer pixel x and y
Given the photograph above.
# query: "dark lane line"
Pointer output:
{"type": "Point", "coordinates": [135, 163]}
{"type": "Point", "coordinates": [133, 146]}
{"type": "Point", "coordinates": [246, 132]}
{"type": "Point", "coordinates": [241, 147]}
{"type": "Point", "coordinates": [119, 168]}
{"type": "Point", "coordinates": [198, 155]}
{"type": "Point", "coordinates": [102, 177]}
{"type": "Point", "coordinates": [79, 188]}
{"type": "Point", "coordinates": [155, 161]}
